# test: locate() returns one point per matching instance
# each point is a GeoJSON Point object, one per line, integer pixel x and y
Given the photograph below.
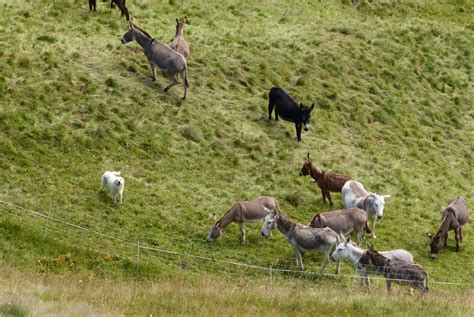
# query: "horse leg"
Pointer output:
{"type": "Point", "coordinates": [242, 232]}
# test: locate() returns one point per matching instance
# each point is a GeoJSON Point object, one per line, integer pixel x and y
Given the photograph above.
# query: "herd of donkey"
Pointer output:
{"type": "Point", "coordinates": [326, 231]}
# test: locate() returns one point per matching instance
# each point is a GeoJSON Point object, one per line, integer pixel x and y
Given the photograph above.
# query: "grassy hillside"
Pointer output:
{"type": "Point", "coordinates": [392, 84]}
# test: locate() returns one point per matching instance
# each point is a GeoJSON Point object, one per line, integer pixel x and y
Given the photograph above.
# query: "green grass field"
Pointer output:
{"type": "Point", "coordinates": [392, 84]}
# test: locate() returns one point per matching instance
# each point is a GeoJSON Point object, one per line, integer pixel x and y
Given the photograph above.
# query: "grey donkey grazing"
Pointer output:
{"type": "Point", "coordinates": [160, 56]}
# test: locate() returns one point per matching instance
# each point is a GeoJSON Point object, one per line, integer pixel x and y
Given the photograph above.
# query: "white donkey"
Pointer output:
{"type": "Point", "coordinates": [346, 249]}
{"type": "Point", "coordinates": [302, 238]}
{"type": "Point", "coordinates": [355, 195]}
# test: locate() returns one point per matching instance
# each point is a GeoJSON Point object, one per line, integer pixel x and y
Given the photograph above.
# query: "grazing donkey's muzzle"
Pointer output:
{"type": "Point", "coordinates": [306, 127]}
{"type": "Point", "coordinates": [123, 41]}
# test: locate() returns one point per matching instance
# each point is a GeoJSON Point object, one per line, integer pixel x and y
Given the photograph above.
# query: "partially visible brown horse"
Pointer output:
{"type": "Point", "coordinates": [119, 3]}
{"type": "Point", "coordinates": [401, 273]}
{"type": "Point", "coordinates": [179, 44]}
{"type": "Point", "coordinates": [454, 217]}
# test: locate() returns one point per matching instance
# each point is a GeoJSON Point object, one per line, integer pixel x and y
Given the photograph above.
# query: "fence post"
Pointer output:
{"type": "Point", "coordinates": [271, 278]}
{"type": "Point", "coordinates": [138, 252]}
{"type": "Point", "coordinates": [47, 221]}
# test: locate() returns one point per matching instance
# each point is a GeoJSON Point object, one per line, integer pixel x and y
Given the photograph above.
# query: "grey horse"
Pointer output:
{"type": "Point", "coordinates": [159, 56]}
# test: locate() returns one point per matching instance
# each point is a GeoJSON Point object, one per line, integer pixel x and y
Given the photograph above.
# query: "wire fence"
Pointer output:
{"type": "Point", "coordinates": [56, 228]}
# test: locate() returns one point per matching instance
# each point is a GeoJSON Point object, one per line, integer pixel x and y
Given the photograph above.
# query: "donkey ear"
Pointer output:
{"type": "Point", "coordinates": [177, 20]}
{"type": "Point", "coordinates": [311, 108]}
{"type": "Point", "coordinates": [301, 105]}
{"type": "Point", "coordinates": [386, 197]}
{"type": "Point", "coordinates": [307, 157]}
{"type": "Point", "coordinates": [214, 217]}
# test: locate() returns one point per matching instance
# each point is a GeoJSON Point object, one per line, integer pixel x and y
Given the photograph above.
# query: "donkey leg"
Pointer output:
{"type": "Point", "coordinates": [460, 233]}
{"type": "Point", "coordinates": [446, 240]}
{"type": "Point", "coordinates": [242, 232]}
{"type": "Point", "coordinates": [185, 82]}
{"type": "Point", "coordinates": [174, 82]}
{"type": "Point", "coordinates": [325, 260]}
{"type": "Point", "coordinates": [270, 108]}
{"type": "Point", "coordinates": [298, 131]}
{"type": "Point", "coordinates": [328, 194]}
{"type": "Point", "coordinates": [153, 71]}
{"type": "Point", "coordinates": [458, 240]}
{"type": "Point", "coordinates": [373, 227]}
{"type": "Point", "coordinates": [298, 258]}
{"type": "Point", "coordinates": [389, 286]}
{"type": "Point", "coordinates": [324, 196]}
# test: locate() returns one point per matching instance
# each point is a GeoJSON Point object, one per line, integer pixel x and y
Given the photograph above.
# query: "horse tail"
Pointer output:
{"type": "Point", "coordinates": [367, 228]}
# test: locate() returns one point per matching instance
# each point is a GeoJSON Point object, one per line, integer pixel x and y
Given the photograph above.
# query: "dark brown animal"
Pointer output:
{"type": "Point", "coordinates": [454, 217]}
{"type": "Point", "coordinates": [343, 221]}
{"type": "Point", "coordinates": [327, 181]}
{"type": "Point", "coordinates": [119, 3]}
{"type": "Point", "coordinates": [401, 273]}
{"type": "Point", "coordinates": [286, 107]}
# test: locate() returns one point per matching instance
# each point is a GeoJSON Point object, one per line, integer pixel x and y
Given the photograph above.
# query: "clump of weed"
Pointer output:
{"type": "Point", "coordinates": [192, 132]}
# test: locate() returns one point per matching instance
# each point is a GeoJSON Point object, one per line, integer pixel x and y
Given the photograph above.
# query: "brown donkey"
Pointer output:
{"type": "Point", "coordinates": [327, 181]}
{"type": "Point", "coordinates": [179, 44]}
{"type": "Point", "coordinates": [455, 216]}
{"type": "Point", "coordinates": [401, 273]}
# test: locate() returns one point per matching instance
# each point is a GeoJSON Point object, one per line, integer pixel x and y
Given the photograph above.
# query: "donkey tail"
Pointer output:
{"type": "Point", "coordinates": [186, 77]}
{"type": "Point", "coordinates": [367, 228]}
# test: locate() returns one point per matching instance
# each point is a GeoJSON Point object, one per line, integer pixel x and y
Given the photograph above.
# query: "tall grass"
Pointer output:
{"type": "Point", "coordinates": [392, 81]}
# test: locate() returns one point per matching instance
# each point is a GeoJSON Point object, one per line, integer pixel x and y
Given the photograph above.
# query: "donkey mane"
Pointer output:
{"type": "Point", "coordinates": [142, 30]}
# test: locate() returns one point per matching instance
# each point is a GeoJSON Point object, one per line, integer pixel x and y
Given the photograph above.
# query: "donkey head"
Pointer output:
{"type": "Point", "coordinates": [216, 231]}
{"type": "Point", "coordinates": [435, 244]}
{"type": "Point", "coordinates": [130, 35]}
{"type": "Point", "coordinates": [180, 25]}
{"type": "Point", "coordinates": [341, 251]}
{"type": "Point", "coordinates": [306, 115]}
{"type": "Point", "coordinates": [376, 203]}
{"type": "Point", "coordinates": [270, 223]}
{"type": "Point", "coordinates": [306, 165]}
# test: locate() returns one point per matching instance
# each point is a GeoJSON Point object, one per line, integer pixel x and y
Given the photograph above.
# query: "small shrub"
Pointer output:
{"type": "Point", "coordinates": [110, 82]}
{"type": "Point", "coordinates": [12, 310]}
{"type": "Point", "coordinates": [191, 132]}
{"type": "Point", "coordinates": [46, 38]}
